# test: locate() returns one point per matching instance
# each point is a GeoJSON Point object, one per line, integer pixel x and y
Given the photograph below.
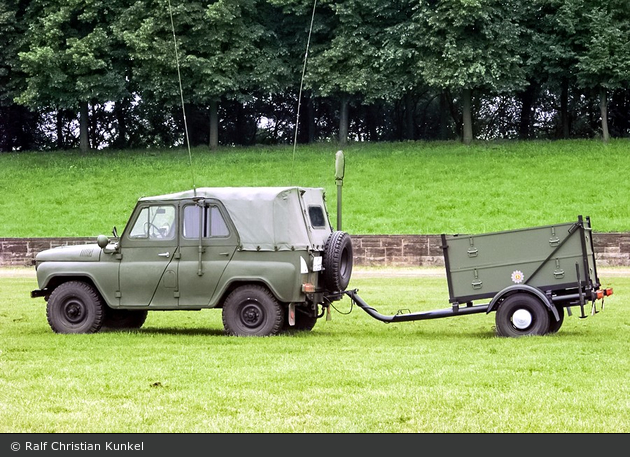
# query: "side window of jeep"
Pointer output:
{"type": "Point", "coordinates": [155, 222]}
{"type": "Point", "coordinates": [316, 214]}
{"type": "Point", "coordinates": [213, 224]}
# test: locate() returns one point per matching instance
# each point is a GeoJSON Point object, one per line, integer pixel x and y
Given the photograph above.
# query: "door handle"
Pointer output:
{"type": "Point", "coordinates": [164, 254]}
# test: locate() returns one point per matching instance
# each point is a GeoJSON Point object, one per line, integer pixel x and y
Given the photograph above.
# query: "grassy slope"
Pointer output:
{"type": "Point", "coordinates": [389, 188]}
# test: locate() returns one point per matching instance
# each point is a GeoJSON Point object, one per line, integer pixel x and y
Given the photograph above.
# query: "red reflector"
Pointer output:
{"type": "Point", "coordinates": [609, 291]}
{"type": "Point", "coordinates": [600, 294]}
{"type": "Point", "coordinates": [308, 288]}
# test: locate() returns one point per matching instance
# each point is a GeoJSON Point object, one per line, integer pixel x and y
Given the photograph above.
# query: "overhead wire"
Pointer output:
{"type": "Point", "coordinates": [181, 94]}
{"type": "Point", "coordinates": [297, 119]}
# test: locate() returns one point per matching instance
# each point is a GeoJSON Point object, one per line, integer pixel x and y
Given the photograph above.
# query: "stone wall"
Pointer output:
{"type": "Point", "coordinates": [611, 249]}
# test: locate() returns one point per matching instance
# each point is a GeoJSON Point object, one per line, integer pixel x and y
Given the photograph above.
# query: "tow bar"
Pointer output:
{"type": "Point", "coordinates": [405, 317]}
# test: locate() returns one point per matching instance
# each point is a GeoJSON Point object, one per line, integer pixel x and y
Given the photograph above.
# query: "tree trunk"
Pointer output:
{"type": "Point", "coordinates": [527, 102]}
{"type": "Point", "coordinates": [564, 109]}
{"type": "Point", "coordinates": [306, 120]}
{"type": "Point", "coordinates": [467, 135]}
{"type": "Point", "coordinates": [121, 139]}
{"type": "Point", "coordinates": [443, 117]}
{"type": "Point", "coordinates": [409, 116]}
{"type": "Point", "coordinates": [371, 122]}
{"type": "Point", "coordinates": [213, 144]}
{"type": "Point", "coordinates": [84, 143]}
{"type": "Point", "coordinates": [343, 120]}
{"type": "Point", "coordinates": [603, 107]}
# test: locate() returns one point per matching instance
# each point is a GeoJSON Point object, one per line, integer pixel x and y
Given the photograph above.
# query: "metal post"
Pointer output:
{"type": "Point", "coordinates": [340, 169]}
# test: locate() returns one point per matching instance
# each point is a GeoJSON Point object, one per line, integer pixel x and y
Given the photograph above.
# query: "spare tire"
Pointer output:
{"type": "Point", "coordinates": [337, 261]}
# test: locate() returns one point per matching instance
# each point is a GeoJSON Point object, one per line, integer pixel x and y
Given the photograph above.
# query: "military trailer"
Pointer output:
{"type": "Point", "coordinates": [267, 256]}
{"type": "Point", "coordinates": [531, 276]}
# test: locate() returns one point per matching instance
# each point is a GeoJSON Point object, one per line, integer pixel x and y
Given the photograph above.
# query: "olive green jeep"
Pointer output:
{"type": "Point", "coordinates": [267, 256]}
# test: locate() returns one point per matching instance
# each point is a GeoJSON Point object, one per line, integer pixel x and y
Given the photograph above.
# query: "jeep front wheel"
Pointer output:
{"type": "Point", "coordinates": [75, 307]}
{"type": "Point", "coordinates": [252, 311]}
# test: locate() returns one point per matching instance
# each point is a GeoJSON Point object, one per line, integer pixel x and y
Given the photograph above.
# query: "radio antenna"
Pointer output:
{"type": "Point", "coordinates": [181, 95]}
{"type": "Point", "coordinates": [297, 119]}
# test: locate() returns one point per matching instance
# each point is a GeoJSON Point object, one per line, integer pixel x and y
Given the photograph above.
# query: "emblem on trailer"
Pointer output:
{"type": "Point", "coordinates": [517, 276]}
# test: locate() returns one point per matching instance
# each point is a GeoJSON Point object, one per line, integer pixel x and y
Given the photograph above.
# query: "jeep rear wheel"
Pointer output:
{"type": "Point", "coordinates": [337, 261]}
{"type": "Point", "coordinates": [124, 318]}
{"type": "Point", "coordinates": [305, 320]}
{"type": "Point", "coordinates": [252, 311]}
{"type": "Point", "coordinates": [75, 307]}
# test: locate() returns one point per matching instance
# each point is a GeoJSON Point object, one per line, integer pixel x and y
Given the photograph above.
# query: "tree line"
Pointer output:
{"type": "Point", "coordinates": [141, 73]}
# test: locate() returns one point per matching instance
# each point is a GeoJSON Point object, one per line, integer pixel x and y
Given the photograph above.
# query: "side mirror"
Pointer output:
{"type": "Point", "coordinates": [102, 241]}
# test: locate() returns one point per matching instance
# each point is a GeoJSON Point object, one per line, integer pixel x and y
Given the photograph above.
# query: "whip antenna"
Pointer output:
{"type": "Point", "coordinates": [297, 120]}
{"type": "Point", "coordinates": [181, 95]}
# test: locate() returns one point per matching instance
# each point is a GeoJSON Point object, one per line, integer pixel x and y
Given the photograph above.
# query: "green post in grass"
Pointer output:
{"type": "Point", "coordinates": [340, 169]}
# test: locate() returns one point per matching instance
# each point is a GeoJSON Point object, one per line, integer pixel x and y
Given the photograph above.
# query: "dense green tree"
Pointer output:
{"type": "Point", "coordinates": [345, 64]}
{"type": "Point", "coordinates": [468, 45]}
{"type": "Point", "coordinates": [604, 63]}
{"type": "Point", "coordinates": [18, 124]}
{"type": "Point", "coordinates": [219, 50]}
{"type": "Point", "coordinates": [68, 60]}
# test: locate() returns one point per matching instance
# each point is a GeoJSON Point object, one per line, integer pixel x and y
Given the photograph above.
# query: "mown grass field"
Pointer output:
{"type": "Point", "coordinates": [351, 374]}
{"type": "Point", "coordinates": [389, 188]}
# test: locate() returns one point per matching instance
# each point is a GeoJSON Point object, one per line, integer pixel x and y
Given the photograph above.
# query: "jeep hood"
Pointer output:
{"type": "Point", "coordinates": [76, 253]}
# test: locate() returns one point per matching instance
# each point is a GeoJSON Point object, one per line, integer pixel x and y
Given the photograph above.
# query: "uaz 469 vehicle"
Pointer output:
{"type": "Point", "coordinates": [267, 256]}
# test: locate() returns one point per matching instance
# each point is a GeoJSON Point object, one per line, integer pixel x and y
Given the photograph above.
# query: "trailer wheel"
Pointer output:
{"type": "Point", "coordinates": [75, 307]}
{"type": "Point", "coordinates": [554, 325]}
{"type": "Point", "coordinates": [252, 311]}
{"type": "Point", "coordinates": [337, 261]}
{"type": "Point", "coordinates": [522, 314]}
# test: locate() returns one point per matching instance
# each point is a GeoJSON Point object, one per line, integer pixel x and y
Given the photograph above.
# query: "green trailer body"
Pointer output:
{"type": "Point", "coordinates": [531, 277]}
{"type": "Point", "coordinates": [556, 259]}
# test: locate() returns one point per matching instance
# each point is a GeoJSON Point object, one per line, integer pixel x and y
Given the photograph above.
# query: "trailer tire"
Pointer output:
{"type": "Point", "coordinates": [554, 325]}
{"type": "Point", "coordinates": [522, 314]}
{"type": "Point", "coordinates": [252, 311]}
{"type": "Point", "coordinates": [337, 261]}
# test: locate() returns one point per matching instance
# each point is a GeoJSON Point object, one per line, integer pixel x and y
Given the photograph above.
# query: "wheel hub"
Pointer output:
{"type": "Point", "coordinates": [522, 319]}
{"type": "Point", "coordinates": [251, 315]}
{"type": "Point", "coordinates": [74, 311]}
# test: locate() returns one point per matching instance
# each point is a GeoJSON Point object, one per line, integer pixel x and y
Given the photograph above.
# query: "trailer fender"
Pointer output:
{"type": "Point", "coordinates": [523, 288]}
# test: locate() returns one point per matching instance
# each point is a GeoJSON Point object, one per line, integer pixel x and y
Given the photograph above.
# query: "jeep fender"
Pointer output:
{"type": "Point", "coordinates": [523, 288]}
{"type": "Point", "coordinates": [51, 276]}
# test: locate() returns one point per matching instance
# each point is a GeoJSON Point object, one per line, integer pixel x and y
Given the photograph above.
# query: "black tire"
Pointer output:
{"type": "Point", "coordinates": [118, 319]}
{"type": "Point", "coordinates": [337, 261]}
{"type": "Point", "coordinates": [554, 325]}
{"type": "Point", "coordinates": [522, 315]}
{"type": "Point", "coordinates": [75, 307]}
{"type": "Point", "coordinates": [252, 311]}
{"type": "Point", "coordinates": [305, 320]}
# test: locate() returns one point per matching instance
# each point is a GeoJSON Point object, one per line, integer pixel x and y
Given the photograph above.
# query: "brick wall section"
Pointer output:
{"type": "Point", "coordinates": [611, 249]}
{"type": "Point", "coordinates": [22, 251]}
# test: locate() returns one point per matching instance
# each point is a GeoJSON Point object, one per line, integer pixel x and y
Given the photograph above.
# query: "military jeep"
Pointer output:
{"type": "Point", "coordinates": [267, 256]}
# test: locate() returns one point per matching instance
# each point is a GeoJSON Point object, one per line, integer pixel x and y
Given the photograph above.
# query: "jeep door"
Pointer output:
{"type": "Point", "coordinates": [208, 241]}
{"type": "Point", "coordinates": [148, 275]}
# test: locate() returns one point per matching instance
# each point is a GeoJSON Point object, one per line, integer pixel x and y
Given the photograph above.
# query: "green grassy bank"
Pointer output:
{"type": "Point", "coordinates": [389, 188]}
